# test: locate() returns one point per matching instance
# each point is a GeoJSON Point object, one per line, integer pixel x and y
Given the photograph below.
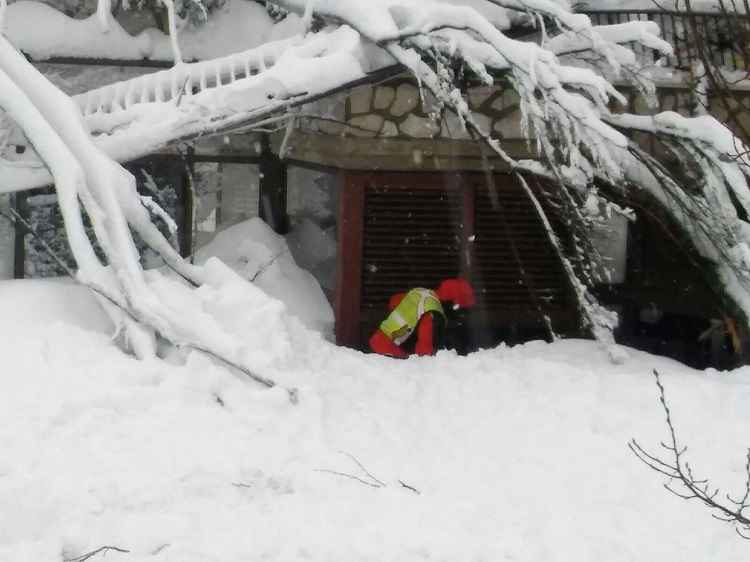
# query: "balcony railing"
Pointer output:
{"type": "Point", "coordinates": [726, 37]}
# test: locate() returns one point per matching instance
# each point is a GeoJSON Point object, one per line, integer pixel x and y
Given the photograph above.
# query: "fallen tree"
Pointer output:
{"type": "Point", "coordinates": [565, 112]}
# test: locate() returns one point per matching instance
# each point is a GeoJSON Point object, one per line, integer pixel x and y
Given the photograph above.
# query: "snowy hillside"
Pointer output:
{"type": "Point", "coordinates": [513, 454]}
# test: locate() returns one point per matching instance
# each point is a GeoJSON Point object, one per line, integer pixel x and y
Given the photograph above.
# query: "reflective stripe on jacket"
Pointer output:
{"type": "Point", "coordinates": [403, 320]}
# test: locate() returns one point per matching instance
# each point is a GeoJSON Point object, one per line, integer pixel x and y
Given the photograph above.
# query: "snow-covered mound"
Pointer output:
{"type": "Point", "coordinates": [258, 254]}
{"type": "Point", "coordinates": [314, 249]}
{"type": "Point", "coordinates": [508, 454]}
{"type": "Point", "coordinates": [39, 302]}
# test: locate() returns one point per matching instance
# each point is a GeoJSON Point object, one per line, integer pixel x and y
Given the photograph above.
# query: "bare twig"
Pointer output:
{"type": "Point", "coordinates": [367, 478]}
{"type": "Point", "coordinates": [352, 477]}
{"type": "Point", "coordinates": [268, 263]}
{"type": "Point", "coordinates": [408, 487]}
{"type": "Point", "coordinates": [101, 549]}
{"type": "Point", "coordinates": [684, 484]}
{"type": "Point", "coordinates": [362, 468]}
{"type": "Point", "coordinates": [159, 548]}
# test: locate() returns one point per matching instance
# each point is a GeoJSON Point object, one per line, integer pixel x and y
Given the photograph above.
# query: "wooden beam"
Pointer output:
{"type": "Point", "coordinates": [397, 154]}
{"type": "Point", "coordinates": [349, 263]}
{"type": "Point", "coordinates": [19, 247]}
{"type": "Point", "coordinates": [272, 189]}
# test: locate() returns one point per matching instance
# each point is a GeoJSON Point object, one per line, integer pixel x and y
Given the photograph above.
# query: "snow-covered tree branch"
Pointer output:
{"type": "Point", "coordinates": [566, 114]}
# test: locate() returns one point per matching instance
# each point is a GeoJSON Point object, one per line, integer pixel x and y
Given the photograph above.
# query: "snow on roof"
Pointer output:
{"type": "Point", "coordinates": [236, 27]}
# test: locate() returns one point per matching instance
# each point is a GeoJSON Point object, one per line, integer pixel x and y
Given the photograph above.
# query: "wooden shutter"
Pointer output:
{"type": "Point", "coordinates": [412, 238]}
{"type": "Point", "coordinates": [504, 216]}
{"type": "Point", "coordinates": [415, 229]}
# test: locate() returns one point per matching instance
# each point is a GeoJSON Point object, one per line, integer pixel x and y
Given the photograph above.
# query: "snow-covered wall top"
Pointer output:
{"type": "Point", "coordinates": [237, 27]}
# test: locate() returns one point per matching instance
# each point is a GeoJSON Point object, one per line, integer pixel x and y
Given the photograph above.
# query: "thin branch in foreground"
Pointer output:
{"type": "Point", "coordinates": [268, 263]}
{"type": "Point", "coordinates": [362, 468]}
{"type": "Point", "coordinates": [688, 486]}
{"type": "Point", "coordinates": [101, 549]}
{"type": "Point", "coordinates": [367, 479]}
{"type": "Point", "coordinates": [408, 487]}
{"type": "Point", "coordinates": [351, 476]}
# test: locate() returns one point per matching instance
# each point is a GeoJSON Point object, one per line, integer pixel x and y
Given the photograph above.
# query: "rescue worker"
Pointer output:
{"type": "Point", "coordinates": [420, 311]}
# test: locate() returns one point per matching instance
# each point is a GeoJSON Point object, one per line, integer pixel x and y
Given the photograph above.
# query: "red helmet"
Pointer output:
{"type": "Point", "coordinates": [458, 291]}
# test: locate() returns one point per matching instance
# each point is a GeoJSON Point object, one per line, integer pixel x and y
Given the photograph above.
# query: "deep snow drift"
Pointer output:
{"type": "Point", "coordinates": [254, 251]}
{"type": "Point", "coordinates": [517, 453]}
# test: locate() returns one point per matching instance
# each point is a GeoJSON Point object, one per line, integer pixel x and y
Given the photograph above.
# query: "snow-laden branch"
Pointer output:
{"type": "Point", "coordinates": [557, 101]}
{"type": "Point", "coordinates": [70, 184]}
{"type": "Point", "coordinates": [710, 210]}
{"type": "Point", "coordinates": [556, 10]}
{"type": "Point", "coordinates": [302, 70]}
{"type": "Point", "coordinates": [83, 172]}
{"type": "Point", "coordinates": [137, 117]}
{"type": "Point", "coordinates": [646, 33]}
{"type": "Point", "coordinates": [565, 111]}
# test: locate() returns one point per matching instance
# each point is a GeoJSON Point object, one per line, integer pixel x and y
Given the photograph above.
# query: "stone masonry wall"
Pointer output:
{"type": "Point", "coordinates": [399, 110]}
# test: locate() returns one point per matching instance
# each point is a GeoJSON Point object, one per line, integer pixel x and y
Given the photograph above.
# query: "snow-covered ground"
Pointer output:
{"type": "Point", "coordinates": [515, 453]}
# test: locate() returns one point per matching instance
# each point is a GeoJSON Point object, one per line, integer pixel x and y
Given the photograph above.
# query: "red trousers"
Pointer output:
{"type": "Point", "coordinates": [382, 344]}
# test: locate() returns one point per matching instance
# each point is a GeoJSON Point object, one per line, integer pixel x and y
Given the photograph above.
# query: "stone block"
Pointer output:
{"type": "Point", "coordinates": [509, 127]}
{"type": "Point", "coordinates": [419, 127]}
{"type": "Point", "coordinates": [407, 100]}
{"type": "Point", "coordinates": [332, 107]}
{"type": "Point", "coordinates": [366, 125]}
{"type": "Point", "coordinates": [453, 128]}
{"type": "Point", "coordinates": [389, 129]}
{"type": "Point", "coordinates": [331, 127]}
{"type": "Point", "coordinates": [508, 98]}
{"type": "Point", "coordinates": [384, 96]}
{"type": "Point", "coordinates": [479, 95]}
{"type": "Point", "coordinates": [484, 122]}
{"type": "Point", "coordinates": [431, 104]}
{"type": "Point", "coordinates": [360, 100]}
